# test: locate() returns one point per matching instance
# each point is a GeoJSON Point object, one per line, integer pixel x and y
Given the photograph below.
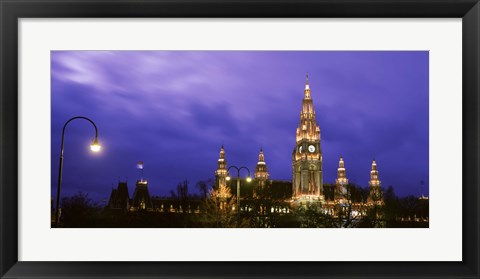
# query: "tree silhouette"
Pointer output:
{"type": "Point", "coordinates": [79, 211]}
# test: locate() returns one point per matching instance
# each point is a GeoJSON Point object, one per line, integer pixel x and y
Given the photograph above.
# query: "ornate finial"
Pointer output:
{"type": "Point", "coordinates": [307, 87]}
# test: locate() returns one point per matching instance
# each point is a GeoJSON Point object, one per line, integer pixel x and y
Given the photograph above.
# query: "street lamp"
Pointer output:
{"type": "Point", "coordinates": [95, 147]}
{"type": "Point", "coordinates": [249, 179]}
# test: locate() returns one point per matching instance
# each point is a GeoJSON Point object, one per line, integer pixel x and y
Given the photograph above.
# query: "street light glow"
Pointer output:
{"type": "Point", "coordinates": [249, 179]}
{"type": "Point", "coordinates": [95, 147]}
{"type": "Point", "coordinates": [228, 178]}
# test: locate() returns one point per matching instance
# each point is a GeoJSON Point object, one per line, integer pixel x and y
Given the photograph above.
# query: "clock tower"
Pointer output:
{"type": "Point", "coordinates": [307, 180]}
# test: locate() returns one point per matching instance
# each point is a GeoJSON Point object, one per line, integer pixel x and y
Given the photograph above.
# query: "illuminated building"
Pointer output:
{"type": "Point", "coordinates": [307, 180]}
{"type": "Point", "coordinates": [141, 197]}
{"type": "Point", "coordinates": [261, 171]}
{"type": "Point", "coordinates": [375, 196]}
{"type": "Point", "coordinates": [221, 173]}
{"type": "Point", "coordinates": [341, 183]}
{"type": "Point", "coordinates": [307, 170]}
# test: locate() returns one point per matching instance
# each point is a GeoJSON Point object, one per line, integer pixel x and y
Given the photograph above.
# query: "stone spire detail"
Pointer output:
{"type": "Point", "coordinates": [261, 171]}
{"type": "Point", "coordinates": [307, 178]}
{"type": "Point", "coordinates": [374, 181]}
{"type": "Point", "coordinates": [341, 183]}
{"type": "Point", "coordinates": [308, 128]}
{"type": "Point", "coordinates": [341, 173]}
{"type": "Point", "coordinates": [375, 196]}
{"type": "Point", "coordinates": [221, 172]}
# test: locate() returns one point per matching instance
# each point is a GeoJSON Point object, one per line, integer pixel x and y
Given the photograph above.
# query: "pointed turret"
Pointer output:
{"type": "Point", "coordinates": [221, 172]}
{"type": "Point", "coordinates": [341, 173]}
{"type": "Point", "coordinates": [341, 183]}
{"type": "Point", "coordinates": [307, 86]}
{"type": "Point", "coordinates": [374, 181]}
{"type": "Point", "coordinates": [308, 128]}
{"type": "Point", "coordinates": [261, 172]}
{"type": "Point", "coordinates": [375, 196]}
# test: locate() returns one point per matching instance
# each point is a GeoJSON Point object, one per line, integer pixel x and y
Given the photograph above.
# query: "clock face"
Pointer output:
{"type": "Point", "coordinates": [300, 149]}
{"type": "Point", "coordinates": [311, 148]}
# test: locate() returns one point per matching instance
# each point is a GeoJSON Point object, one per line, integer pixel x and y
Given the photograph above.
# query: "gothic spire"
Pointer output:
{"type": "Point", "coordinates": [374, 181]}
{"type": "Point", "coordinates": [306, 92]}
{"type": "Point", "coordinates": [341, 172]}
{"type": "Point", "coordinates": [261, 171]}
{"type": "Point", "coordinates": [261, 157]}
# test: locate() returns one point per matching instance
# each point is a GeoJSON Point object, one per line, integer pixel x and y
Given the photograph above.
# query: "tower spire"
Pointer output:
{"type": "Point", "coordinates": [221, 172]}
{"type": "Point", "coordinates": [374, 181]}
{"type": "Point", "coordinates": [341, 173]}
{"type": "Point", "coordinates": [261, 157]}
{"type": "Point", "coordinates": [375, 194]}
{"type": "Point", "coordinates": [307, 155]}
{"type": "Point", "coordinates": [261, 171]}
{"type": "Point", "coordinates": [341, 183]}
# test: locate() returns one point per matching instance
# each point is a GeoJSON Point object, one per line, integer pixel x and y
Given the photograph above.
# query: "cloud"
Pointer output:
{"type": "Point", "coordinates": [173, 110]}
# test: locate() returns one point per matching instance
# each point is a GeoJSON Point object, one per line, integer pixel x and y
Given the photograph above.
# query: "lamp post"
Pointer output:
{"type": "Point", "coordinates": [95, 147]}
{"type": "Point", "coordinates": [238, 187]}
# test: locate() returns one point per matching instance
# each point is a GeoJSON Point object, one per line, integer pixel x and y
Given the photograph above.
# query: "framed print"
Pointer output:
{"type": "Point", "coordinates": [226, 139]}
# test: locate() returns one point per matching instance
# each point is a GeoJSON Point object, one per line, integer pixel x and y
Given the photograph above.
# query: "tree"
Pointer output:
{"type": "Point", "coordinates": [182, 190]}
{"type": "Point", "coordinates": [374, 216]}
{"type": "Point", "coordinates": [220, 209]}
{"type": "Point", "coordinates": [264, 205]}
{"type": "Point", "coordinates": [79, 211]}
{"type": "Point", "coordinates": [204, 187]}
{"type": "Point", "coordinates": [311, 215]}
{"type": "Point", "coordinates": [348, 205]}
{"type": "Point", "coordinates": [392, 207]}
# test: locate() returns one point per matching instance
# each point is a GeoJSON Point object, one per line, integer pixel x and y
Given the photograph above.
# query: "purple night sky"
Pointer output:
{"type": "Point", "coordinates": [174, 109]}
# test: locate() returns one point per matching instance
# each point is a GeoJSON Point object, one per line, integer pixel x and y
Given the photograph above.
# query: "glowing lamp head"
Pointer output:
{"type": "Point", "coordinates": [95, 147]}
{"type": "Point", "coordinates": [228, 178]}
{"type": "Point", "coordinates": [249, 179]}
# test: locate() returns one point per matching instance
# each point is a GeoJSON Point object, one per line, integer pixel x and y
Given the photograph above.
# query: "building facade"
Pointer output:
{"type": "Point", "coordinates": [307, 178]}
{"type": "Point", "coordinates": [307, 171]}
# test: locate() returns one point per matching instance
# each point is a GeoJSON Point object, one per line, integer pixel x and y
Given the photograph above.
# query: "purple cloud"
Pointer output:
{"type": "Point", "coordinates": [174, 109]}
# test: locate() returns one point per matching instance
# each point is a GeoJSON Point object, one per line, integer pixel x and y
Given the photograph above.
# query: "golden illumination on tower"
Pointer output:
{"type": "Point", "coordinates": [341, 182]}
{"type": "Point", "coordinates": [261, 171]}
{"type": "Point", "coordinates": [374, 181]}
{"type": "Point", "coordinates": [308, 128]}
{"type": "Point", "coordinates": [375, 193]}
{"type": "Point", "coordinates": [221, 173]}
{"type": "Point", "coordinates": [307, 178]}
{"type": "Point", "coordinates": [341, 173]}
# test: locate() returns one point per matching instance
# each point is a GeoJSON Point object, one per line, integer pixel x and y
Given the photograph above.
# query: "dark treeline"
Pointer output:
{"type": "Point", "coordinates": [207, 206]}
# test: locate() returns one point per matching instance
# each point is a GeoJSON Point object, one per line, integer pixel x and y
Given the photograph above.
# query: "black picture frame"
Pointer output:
{"type": "Point", "coordinates": [11, 11]}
